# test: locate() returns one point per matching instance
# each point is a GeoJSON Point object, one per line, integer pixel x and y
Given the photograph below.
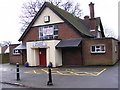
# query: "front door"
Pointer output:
{"type": "Point", "coordinates": [42, 56]}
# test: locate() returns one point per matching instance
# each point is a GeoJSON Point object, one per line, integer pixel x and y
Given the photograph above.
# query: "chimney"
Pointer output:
{"type": "Point", "coordinates": [86, 17]}
{"type": "Point", "coordinates": [91, 5]}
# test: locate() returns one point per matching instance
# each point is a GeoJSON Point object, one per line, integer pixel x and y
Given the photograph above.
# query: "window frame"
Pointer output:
{"type": "Point", "coordinates": [116, 48]}
{"type": "Point", "coordinates": [48, 37]}
{"type": "Point", "coordinates": [99, 49]}
{"type": "Point", "coordinates": [46, 19]}
{"type": "Point", "coordinates": [16, 52]}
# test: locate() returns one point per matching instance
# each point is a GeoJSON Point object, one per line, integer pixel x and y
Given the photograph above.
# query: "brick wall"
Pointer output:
{"type": "Point", "coordinates": [31, 35]}
{"type": "Point", "coordinates": [4, 48]}
{"type": "Point", "coordinates": [67, 32]}
{"type": "Point", "coordinates": [119, 50]}
{"type": "Point", "coordinates": [98, 59]}
{"type": "Point", "coordinates": [93, 27]}
{"type": "Point", "coordinates": [14, 58]}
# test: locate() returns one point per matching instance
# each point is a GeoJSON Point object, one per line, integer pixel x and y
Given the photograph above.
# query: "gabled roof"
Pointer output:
{"type": "Point", "coordinates": [66, 16]}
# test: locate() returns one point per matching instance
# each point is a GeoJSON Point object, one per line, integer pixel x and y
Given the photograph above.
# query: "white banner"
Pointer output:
{"type": "Point", "coordinates": [48, 31]}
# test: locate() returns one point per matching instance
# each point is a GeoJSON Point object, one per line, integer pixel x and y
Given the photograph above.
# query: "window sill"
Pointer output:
{"type": "Point", "coordinates": [97, 52]}
{"type": "Point", "coordinates": [16, 54]}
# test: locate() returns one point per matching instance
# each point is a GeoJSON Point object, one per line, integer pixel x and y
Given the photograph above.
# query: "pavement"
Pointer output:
{"type": "Point", "coordinates": [62, 77]}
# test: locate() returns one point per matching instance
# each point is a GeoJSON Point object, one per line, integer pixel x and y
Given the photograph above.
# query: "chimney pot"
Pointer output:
{"type": "Point", "coordinates": [91, 5]}
{"type": "Point", "coordinates": [86, 17]}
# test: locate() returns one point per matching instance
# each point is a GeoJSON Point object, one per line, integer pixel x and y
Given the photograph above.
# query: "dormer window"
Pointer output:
{"type": "Point", "coordinates": [46, 19]}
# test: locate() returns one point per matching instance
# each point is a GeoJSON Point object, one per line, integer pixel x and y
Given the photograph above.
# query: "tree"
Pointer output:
{"type": "Point", "coordinates": [5, 43]}
{"type": "Point", "coordinates": [30, 8]}
{"type": "Point", "coordinates": [109, 33]}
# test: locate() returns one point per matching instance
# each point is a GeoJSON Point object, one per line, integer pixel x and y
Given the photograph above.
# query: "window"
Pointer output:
{"type": "Point", "coordinates": [98, 48]}
{"type": "Point", "coordinates": [116, 48]}
{"type": "Point", "coordinates": [48, 32]}
{"type": "Point", "coordinates": [16, 52]}
{"type": "Point", "coordinates": [46, 19]}
{"type": "Point", "coordinates": [98, 34]}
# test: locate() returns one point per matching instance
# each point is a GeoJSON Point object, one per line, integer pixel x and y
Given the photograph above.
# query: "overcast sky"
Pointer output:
{"type": "Point", "coordinates": [10, 11]}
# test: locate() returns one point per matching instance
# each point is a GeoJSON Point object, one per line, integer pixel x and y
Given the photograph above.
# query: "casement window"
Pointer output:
{"type": "Point", "coordinates": [16, 52]}
{"type": "Point", "coordinates": [48, 32]}
{"type": "Point", "coordinates": [100, 48]}
{"type": "Point", "coordinates": [46, 19]}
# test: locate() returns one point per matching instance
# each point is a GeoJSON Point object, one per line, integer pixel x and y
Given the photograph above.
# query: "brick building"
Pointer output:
{"type": "Point", "coordinates": [57, 36]}
{"type": "Point", "coordinates": [119, 50]}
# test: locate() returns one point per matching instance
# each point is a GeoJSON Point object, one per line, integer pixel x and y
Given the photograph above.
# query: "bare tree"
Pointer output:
{"type": "Point", "coordinates": [109, 33]}
{"type": "Point", "coordinates": [30, 8]}
{"type": "Point", "coordinates": [5, 43]}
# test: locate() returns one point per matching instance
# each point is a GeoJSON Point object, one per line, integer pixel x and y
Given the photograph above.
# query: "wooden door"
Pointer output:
{"type": "Point", "coordinates": [42, 56]}
{"type": "Point", "coordinates": [71, 56]}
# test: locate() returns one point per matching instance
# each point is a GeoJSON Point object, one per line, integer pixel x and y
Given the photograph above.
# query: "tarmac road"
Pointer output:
{"type": "Point", "coordinates": [37, 77]}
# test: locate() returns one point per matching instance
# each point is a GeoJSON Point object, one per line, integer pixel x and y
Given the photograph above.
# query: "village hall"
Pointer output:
{"type": "Point", "coordinates": [58, 37]}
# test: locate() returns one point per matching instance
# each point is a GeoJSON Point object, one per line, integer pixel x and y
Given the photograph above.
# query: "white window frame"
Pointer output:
{"type": "Point", "coordinates": [98, 50]}
{"type": "Point", "coordinates": [46, 19]}
{"type": "Point", "coordinates": [53, 36]}
{"type": "Point", "coordinates": [16, 52]}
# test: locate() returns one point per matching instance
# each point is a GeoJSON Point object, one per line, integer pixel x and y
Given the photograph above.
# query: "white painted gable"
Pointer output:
{"type": "Point", "coordinates": [54, 18]}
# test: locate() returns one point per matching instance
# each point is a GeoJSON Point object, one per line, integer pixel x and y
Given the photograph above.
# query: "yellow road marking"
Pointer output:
{"type": "Point", "coordinates": [101, 71]}
{"type": "Point", "coordinates": [45, 71]}
{"type": "Point", "coordinates": [68, 72]}
{"type": "Point", "coordinates": [32, 72]}
{"type": "Point", "coordinates": [29, 72]}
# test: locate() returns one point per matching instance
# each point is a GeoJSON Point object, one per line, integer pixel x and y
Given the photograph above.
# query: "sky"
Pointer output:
{"type": "Point", "coordinates": [10, 11]}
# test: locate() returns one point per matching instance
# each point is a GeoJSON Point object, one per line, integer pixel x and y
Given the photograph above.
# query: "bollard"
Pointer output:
{"type": "Point", "coordinates": [49, 83]}
{"type": "Point", "coordinates": [17, 70]}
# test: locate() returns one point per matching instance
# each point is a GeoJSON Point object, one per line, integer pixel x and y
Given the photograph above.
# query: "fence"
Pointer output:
{"type": "Point", "coordinates": [4, 58]}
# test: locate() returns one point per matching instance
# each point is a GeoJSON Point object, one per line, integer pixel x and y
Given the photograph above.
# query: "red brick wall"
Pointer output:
{"type": "Point", "coordinates": [14, 58]}
{"type": "Point", "coordinates": [119, 50]}
{"type": "Point", "coordinates": [67, 32]}
{"type": "Point", "coordinates": [98, 59]}
{"type": "Point", "coordinates": [92, 24]}
{"type": "Point", "coordinates": [31, 35]}
{"type": "Point", "coordinates": [93, 27]}
{"type": "Point", "coordinates": [4, 48]}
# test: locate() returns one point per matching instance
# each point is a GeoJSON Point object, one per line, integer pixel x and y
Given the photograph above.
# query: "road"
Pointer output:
{"type": "Point", "coordinates": [78, 77]}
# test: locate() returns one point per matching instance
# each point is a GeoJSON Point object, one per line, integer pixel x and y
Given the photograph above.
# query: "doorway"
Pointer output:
{"type": "Point", "coordinates": [42, 56]}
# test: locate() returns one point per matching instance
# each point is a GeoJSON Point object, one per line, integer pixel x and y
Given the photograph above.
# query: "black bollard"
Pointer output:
{"type": "Point", "coordinates": [49, 83]}
{"type": "Point", "coordinates": [17, 70]}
